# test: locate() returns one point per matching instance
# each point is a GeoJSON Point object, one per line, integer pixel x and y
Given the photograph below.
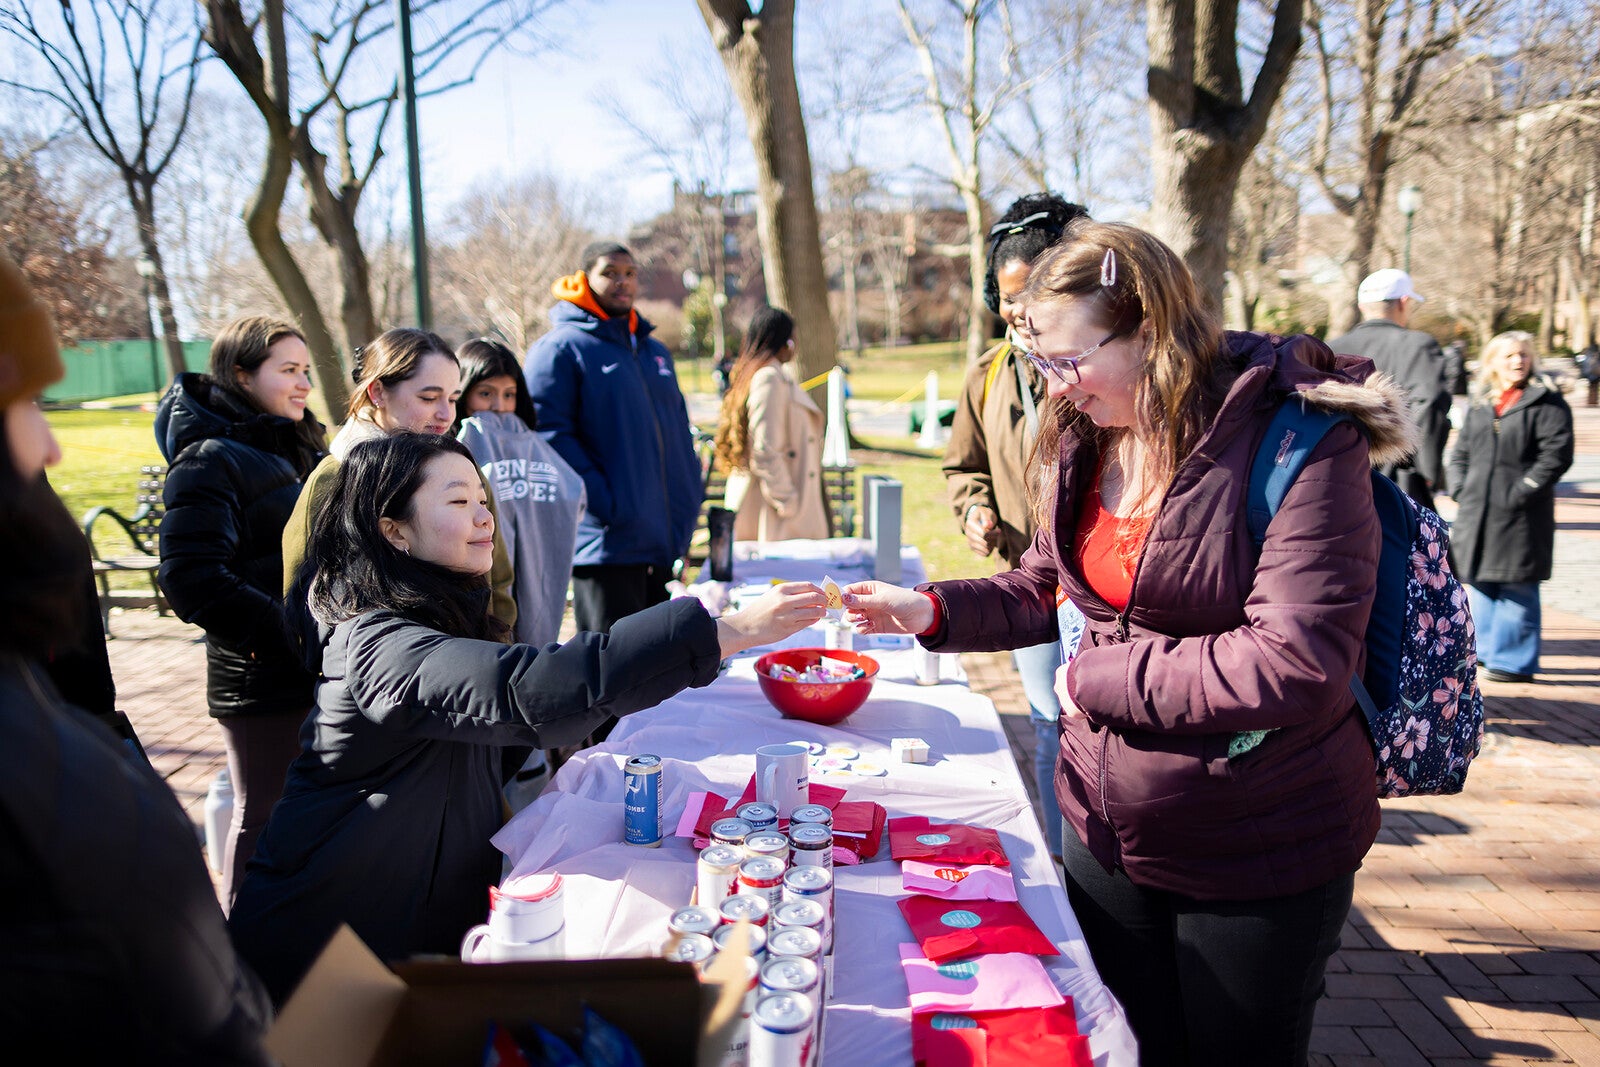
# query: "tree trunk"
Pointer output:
{"type": "Point", "coordinates": [1203, 128]}
{"type": "Point", "coordinates": [978, 314]}
{"type": "Point", "coordinates": [757, 49]}
{"type": "Point", "coordinates": [266, 81]}
{"type": "Point", "coordinates": [141, 195]}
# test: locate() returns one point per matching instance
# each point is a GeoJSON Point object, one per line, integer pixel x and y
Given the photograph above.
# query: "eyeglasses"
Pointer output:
{"type": "Point", "coordinates": [1064, 367]}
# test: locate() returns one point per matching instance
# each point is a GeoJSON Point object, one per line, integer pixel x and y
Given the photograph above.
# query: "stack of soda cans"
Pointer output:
{"type": "Point", "coordinates": [781, 883]}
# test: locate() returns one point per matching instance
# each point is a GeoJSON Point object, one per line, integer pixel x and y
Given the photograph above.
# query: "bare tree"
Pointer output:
{"type": "Point", "coordinates": [964, 98]}
{"type": "Point", "coordinates": [757, 50]}
{"type": "Point", "coordinates": [1203, 126]}
{"type": "Point", "coordinates": [325, 105]}
{"type": "Point", "coordinates": [508, 241]}
{"type": "Point", "coordinates": [127, 79]}
{"type": "Point", "coordinates": [1371, 58]}
{"type": "Point", "coordinates": [690, 132]}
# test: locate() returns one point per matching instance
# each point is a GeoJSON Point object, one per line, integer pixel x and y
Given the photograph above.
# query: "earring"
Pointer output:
{"type": "Point", "coordinates": [405, 549]}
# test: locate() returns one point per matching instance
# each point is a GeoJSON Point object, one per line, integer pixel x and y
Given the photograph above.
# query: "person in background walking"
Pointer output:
{"type": "Point", "coordinates": [1514, 446]}
{"type": "Point", "coordinates": [1215, 770]}
{"type": "Point", "coordinates": [1589, 367]}
{"type": "Point", "coordinates": [386, 819]}
{"type": "Point", "coordinates": [769, 439]}
{"type": "Point", "coordinates": [995, 425]}
{"type": "Point", "coordinates": [112, 946]}
{"type": "Point", "coordinates": [239, 441]}
{"type": "Point", "coordinates": [1414, 359]}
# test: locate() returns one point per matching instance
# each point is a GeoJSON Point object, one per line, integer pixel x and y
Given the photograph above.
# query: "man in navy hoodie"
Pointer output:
{"type": "Point", "coordinates": [608, 400]}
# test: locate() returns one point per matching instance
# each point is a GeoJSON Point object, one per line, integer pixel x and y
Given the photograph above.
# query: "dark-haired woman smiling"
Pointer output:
{"type": "Point", "coordinates": [387, 814]}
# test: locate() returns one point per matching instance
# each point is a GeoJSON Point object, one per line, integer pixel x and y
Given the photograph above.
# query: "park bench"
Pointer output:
{"type": "Point", "coordinates": [141, 554]}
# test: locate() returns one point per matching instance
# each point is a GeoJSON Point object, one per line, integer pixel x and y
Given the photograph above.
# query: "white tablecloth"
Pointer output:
{"type": "Point", "coordinates": [618, 897]}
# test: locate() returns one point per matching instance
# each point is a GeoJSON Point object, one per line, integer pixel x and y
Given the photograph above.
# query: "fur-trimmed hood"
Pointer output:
{"type": "Point", "coordinates": [1348, 385]}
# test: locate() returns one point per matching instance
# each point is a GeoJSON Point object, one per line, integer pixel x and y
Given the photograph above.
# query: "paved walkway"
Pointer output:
{"type": "Point", "coordinates": [1476, 932]}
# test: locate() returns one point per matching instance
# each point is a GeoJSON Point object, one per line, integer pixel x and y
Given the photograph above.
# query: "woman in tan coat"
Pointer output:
{"type": "Point", "coordinates": [769, 439]}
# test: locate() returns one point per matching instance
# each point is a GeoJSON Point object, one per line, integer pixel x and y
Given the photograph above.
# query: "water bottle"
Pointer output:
{"type": "Point", "coordinates": [219, 818]}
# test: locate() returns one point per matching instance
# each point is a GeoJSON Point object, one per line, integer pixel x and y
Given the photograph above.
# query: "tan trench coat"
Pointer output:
{"type": "Point", "coordinates": [780, 496]}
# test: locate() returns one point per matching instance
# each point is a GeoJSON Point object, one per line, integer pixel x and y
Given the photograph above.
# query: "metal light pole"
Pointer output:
{"type": "Point", "coordinates": [147, 270]}
{"type": "Point", "coordinates": [419, 233]}
{"type": "Point", "coordinates": [1409, 201]}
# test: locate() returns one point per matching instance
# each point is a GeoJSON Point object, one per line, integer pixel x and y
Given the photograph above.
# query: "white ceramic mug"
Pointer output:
{"type": "Point", "coordinates": [783, 777]}
{"type": "Point", "coordinates": [481, 946]}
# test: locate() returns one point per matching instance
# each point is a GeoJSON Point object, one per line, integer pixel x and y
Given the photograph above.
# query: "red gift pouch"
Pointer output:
{"type": "Point", "coordinates": [950, 929]}
{"type": "Point", "coordinates": [858, 826]}
{"type": "Point", "coordinates": [915, 838]}
{"type": "Point", "coordinates": [1023, 1038]}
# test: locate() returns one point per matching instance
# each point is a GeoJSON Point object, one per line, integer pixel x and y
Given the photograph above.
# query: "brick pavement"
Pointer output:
{"type": "Point", "coordinates": [1476, 932]}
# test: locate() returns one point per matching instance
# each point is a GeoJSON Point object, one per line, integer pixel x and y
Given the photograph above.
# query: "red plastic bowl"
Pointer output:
{"type": "Point", "coordinates": [824, 703]}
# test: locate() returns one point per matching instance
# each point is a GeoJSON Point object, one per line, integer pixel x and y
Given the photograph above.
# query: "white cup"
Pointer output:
{"type": "Point", "coordinates": [526, 909]}
{"type": "Point", "coordinates": [783, 777]}
{"type": "Point", "coordinates": [481, 946]}
{"type": "Point", "coordinates": [927, 665]}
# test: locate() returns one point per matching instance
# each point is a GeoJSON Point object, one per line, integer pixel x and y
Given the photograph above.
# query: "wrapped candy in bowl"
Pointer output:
{"type": "Point", "coordinates": [820, 685]}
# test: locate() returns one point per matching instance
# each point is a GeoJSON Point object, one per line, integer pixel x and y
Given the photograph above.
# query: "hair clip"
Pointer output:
{"type": "Point", "coordinates": [1039, 220]}
{"type": "Point", "coordinates": [355, 363]}
{"type": "Point", "coordinates": [1108, 269]}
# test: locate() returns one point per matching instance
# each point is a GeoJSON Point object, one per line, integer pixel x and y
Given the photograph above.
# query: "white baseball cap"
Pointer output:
{"type": "Point", "coordinates": [1386, 284]}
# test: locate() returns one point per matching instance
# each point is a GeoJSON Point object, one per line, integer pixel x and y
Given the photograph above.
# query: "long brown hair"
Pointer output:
{"type": "Point", "coordinates": [392, 357]}
{"type": "Point", "coordinates": [1186, 370]}
{"type": "Point", "coordinates": [242, 347]}
{"type": "Point", "coordinates": [770, 330]}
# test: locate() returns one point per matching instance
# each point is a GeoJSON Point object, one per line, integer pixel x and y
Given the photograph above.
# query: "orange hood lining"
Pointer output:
{"type": "Point", "coordinates": [574, 289]}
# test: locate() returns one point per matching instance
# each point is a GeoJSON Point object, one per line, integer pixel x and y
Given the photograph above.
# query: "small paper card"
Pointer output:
{"type": "Point", "coordinates": [913, 837]}
{"type": "Point", "coordinates": [951, 929]}
{"type": "Point", "coordinates": [980, 983]}
{"type": "Point", "coordinates": [954, 882]}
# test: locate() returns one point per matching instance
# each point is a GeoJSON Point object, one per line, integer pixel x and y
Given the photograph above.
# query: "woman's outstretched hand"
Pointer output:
{"type": "Point", "coordinates": [880, 608]}
{"type": "Point", "coordinates": [783, 610]}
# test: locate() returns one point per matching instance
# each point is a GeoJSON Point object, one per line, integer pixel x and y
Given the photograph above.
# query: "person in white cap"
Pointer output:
{"type": "Point", "coordinates": [1414, 359]}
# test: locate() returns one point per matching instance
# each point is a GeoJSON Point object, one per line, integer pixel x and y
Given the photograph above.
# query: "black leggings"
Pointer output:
{"type": "Point", "coordinates": [1231, 982]}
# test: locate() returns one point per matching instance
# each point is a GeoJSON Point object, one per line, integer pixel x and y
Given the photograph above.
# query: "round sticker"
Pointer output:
{"type": "Point", "coordinates": [960, 920]}
{"type": "Point", "coordinates": [946, 1021]}
{"type": "Point", "coordinates": [960, 969]}
{"type": "Point", "coordinates": [933, 839]}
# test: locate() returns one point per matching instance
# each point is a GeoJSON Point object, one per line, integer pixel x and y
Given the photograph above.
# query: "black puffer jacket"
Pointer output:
{"type": "Point", "coordinates": [112, 946]}
{"type": "Point", "coordinates": [387, 812]}
{"type": "Point", "coordinates": [1503, 473]}
{"type": "Point", "coordinates": [233, 478]}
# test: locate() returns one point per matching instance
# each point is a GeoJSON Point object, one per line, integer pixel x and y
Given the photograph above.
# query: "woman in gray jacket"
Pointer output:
{"type": "Point", "coordinates": [387, 813]}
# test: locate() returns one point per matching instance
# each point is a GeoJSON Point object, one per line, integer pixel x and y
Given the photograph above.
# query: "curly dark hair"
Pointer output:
{"type": "Point", "coordinates": [1030, 225]}
{"type": "Point", "coordinates": [351, 568]}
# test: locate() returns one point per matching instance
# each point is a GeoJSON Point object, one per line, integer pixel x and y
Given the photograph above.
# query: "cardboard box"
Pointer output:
{"type": "Point", "coordinates": [352, 1011]}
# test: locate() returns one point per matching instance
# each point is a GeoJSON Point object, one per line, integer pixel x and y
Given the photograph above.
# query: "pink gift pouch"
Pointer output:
{"type": "Point", "coordinates": [994, 982]}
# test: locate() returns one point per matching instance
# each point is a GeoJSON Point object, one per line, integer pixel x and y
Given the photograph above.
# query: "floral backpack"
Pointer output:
{"type": "Point", "coordinates": [1419, 692]}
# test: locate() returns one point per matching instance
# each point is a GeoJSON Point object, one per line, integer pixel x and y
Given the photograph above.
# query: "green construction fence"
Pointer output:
{"type": "Point", "coordinates": [98, 369]}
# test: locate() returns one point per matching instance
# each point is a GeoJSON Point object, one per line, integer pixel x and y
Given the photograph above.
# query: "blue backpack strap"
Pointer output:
{"type": "Point", "coordinates": [1291, 436]}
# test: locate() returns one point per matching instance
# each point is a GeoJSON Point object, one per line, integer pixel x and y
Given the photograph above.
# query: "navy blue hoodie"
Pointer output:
{"type": "Point", "coordinates": [608, 401]}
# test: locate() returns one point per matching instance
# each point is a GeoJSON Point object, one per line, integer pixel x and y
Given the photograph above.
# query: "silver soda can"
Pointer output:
{"type": "Point", "coordinates": [762, 876]}
{"type": "Point", "coordinates": [927, 665]}
{"type": "Point", "coordinates": [641, 801]}
{"type": "Point", "coordinates": [768, 843]}
{"type": "Point", "coordinates": [814, 884]}
{"type": "Point", "coordinates": [757, 942]}
{"type": "Point", "coordinates": [781, 1031]}
{"type": "Point", "coordinates": [806, 913]}
{"type": "Point", "coordinates": [747, 906]}
{"type": "Point", "coordinates": [760, 816]}
{"type": "Point", "coordinates": [697, 949]}
{"type": "Point", "coordinates": [816, 813]}
{"type": "Point", "coordinates": [737, 1053]}
{"type": "Point", "coordinates": [839, 635]}
{"type": "Point", "coordinates": [730, 832]}
{"type": "Point", "coordinates": [794, 941]}
{"type": "Point", "coordinates": [791, 974]}
{"type": "Point", "coordinates": [695, 919]}
{"type": "Point", "coordinates": [812, 845]}
{"type": "Point", "coordinates": [715, 873]}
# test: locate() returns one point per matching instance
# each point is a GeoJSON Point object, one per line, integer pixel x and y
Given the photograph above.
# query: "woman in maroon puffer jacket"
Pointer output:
{"type": "Point", "coordinates": [1215, 773]}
